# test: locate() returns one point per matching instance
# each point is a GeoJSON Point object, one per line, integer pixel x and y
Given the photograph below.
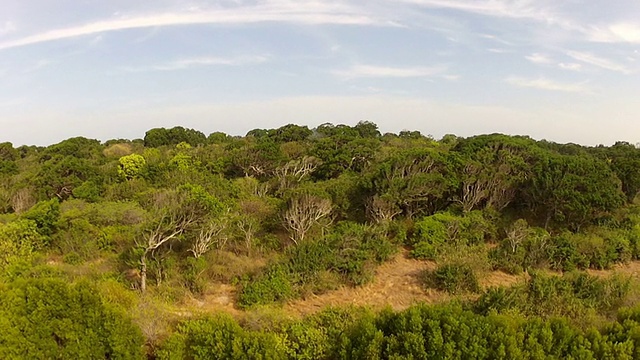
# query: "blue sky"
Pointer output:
{"type": "Point", "coordinates": [566, 71]}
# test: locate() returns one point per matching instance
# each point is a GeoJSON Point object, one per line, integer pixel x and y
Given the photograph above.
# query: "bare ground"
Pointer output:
{"type": "Point", "coordinates": [396, 284]}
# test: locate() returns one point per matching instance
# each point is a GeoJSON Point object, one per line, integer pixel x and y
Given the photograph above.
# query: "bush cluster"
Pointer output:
{"type": "Point", "coordinates": [347, 255]}
{"type": "Point", "coordinates": [433, 234]}
{"type": "Point", "coordinates": [420, 332]}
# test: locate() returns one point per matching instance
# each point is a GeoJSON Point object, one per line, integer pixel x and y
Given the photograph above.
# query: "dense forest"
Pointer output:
{"type": "Point", "coordinates": [104, 243]}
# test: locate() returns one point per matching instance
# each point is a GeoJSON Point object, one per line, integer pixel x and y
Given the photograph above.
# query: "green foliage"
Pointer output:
{"type": "Point", "coordinates": [160, 136]}
{"type": "Point", "coordinates": [131, 166]}
{"type": "Point", "coordinates": [573, 295]}
{"type": "Point", "coordinates": [434, 233]}
{"type": "Point", "coordinates": [420, 332]}
{"type": "Point", "coordinates": [50, 319]}
{"type": "Point", "coordinates": [350, 252]}
{"type": "Point", "coordinates": [453, 278]}
{"type": "Point", "coordinates": [19, 240]}
{"type": "Point", "coordinates": [46, 215]}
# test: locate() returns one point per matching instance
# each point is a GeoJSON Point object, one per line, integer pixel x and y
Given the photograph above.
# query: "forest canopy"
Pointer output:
{"type": "Point", "coordinates": [102, 244]}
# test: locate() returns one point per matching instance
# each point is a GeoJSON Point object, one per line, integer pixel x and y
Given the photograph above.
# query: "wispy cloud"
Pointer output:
{"type": "Point", "coordinates": [570, 66]}
{"type": "Point", "coordinates": [373, 71]}
{"type": "Point", "coordinates": [600, 62]}
{"type": "Point", "coordinates": [7, 28]}
{"type": "Point", "coordinates": [183, 64]}
{"type": "Point", "coordinates": [536, 10]}
{"type": "Point", "coordinates": [548, 84]}
{"type": "Point", "coordinates": [537, 58]}
{"type": "Point", "coordinates": [304, 12]}
{"type": "Point", "coordinates": [620, 32]}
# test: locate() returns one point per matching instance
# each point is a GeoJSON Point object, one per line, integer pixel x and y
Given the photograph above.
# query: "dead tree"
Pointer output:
{"type": "Point", "coordinates": [212, 234]}
{"type": "Point", "coordinates": [305, 211]}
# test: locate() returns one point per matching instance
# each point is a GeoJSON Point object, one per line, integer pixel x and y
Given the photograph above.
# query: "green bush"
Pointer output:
{"type": "Point", "coordinates": [349, 255]}
{"type": "Point", "coordinates": [445, 230]}
{"type": "Point", "coordinates": [573, 295]}
{"type": "Point", "coordinates": [46, 318]}
{"type": "Point", "coordinates": [453, 278]}
{"type": "Point", "coordinates": [271, 286]}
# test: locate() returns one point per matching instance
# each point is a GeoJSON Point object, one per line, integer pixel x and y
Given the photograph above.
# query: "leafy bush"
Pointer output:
{"type": "Point", "coordinates": [573, 295]}
{"type": "Point", "coordinates": [350, 253]}
{"type": "Point", "coordinates": [50, 319]}
{"type": "Point", "coordinates": [453, 278]}
{"type": "Point", "coordinates": [432, 233]}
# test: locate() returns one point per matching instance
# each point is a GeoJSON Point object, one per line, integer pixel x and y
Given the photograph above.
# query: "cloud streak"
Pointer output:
{"type": "Point", "coordinates": [183, 64]}
{"type": "Point", "coordinates": [303, 12]}
{"type": "Point", "coordinates": [597, 61]}
{"type": "Point", "coordinates": [548, 84]}
{"type": "Point", "coordinates": [374, 71]}
{"type": "Point", "coordinates": [537, 58]}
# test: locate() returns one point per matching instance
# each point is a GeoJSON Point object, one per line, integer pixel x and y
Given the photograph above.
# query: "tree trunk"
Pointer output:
{"type": "Point", "coordinates": [143, 272]}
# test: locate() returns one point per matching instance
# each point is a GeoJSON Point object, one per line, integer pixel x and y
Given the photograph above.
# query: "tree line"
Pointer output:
{"type": "Point", "coordinates": [287, 212]}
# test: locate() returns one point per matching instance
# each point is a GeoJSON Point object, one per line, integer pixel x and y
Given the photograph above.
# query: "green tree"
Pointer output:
{"type": "Point", "coordinates": [49, 319]}
{"type": "Point", "coordinates": [131, 166]}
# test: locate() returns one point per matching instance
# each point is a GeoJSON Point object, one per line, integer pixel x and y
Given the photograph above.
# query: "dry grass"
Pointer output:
{"type": "Point", "coordinates": [396, 284]}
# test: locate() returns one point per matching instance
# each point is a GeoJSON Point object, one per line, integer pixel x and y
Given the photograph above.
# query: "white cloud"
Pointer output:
{"type": "Point", "coordinates": [570, 66]}
{"type": "Point", "coordinates": [303, 12]}
{"type": "Point", "coordinates": [499, 51]}
{"type": "Point", "coordinates": [373, 71]}
{"type": "Point", "coordinates": [548, 84]}
{"type": "Point", "coordinates": [537, 58]}
{"type": "Point", "coordinates": [620, 32]}
{"type": "Point", "coordinates": [7, 28]}
{"type": "Point", "coordinates": [535, 10]}
{"type": "Point", "coordinates": [597, 61]}
{"type": "Point", "coordinates": [182, 64]}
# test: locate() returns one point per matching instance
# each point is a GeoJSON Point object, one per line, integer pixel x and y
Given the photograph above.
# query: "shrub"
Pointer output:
{"type": "Point", "coordinates": [453, 278]}
{"type": "Point", "coordinates": [47, 318]}
{"type": "Point", "coordinates": [347, 255]}
{"type": "Point", "coordinates": [433, 233]}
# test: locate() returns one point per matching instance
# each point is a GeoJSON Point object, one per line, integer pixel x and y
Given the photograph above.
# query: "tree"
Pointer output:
{"type": "Point", "coordinates": [131, 166]}
{"type": "Point", "coordinates": [172, 214]}
{"type": "Point", "coordinates": [303, 212]}
{"type": "Point", "coordinates": [46, 318]}
{"type": "Point", "coordinates": [572, 190]}
{"type": "Point", "coordinates": [417, 180]}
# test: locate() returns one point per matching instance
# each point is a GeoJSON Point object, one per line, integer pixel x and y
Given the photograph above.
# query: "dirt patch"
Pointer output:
{"type": "Point", "coordinates": [630, 269]}
{"type": "Point", "coordinates": [499, 278]}
{"type": "Point", "coordinates": [395, 284]}
{"type": "Point", "coordinates": [217, 298]}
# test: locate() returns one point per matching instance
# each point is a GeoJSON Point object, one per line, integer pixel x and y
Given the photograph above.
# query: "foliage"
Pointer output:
{"type": "Point", "coordinates": [434, 233]}
{"type": "Point", "coordinates": [453, 278]}
{"type": "Point", "coordinates": [350, 252]}
{"type": "Point", "coordinates": [48, 318]}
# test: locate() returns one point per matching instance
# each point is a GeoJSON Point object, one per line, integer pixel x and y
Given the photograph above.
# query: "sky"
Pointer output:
{"type": "Point", "coordinates": [565, 71]}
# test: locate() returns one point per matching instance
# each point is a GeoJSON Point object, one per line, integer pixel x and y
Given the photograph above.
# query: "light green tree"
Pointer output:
{"type": "Point", "coordinates": [131, 166]}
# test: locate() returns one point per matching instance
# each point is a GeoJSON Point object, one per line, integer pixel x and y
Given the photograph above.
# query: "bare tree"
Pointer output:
{"type": "Point", "coordinates": [171, 215]}
{"type": "Point", "coordinates": [22, 200]}
{"type": "Point", "coordinates": [296, 171]}
{"type": "Point", "coordinates": [305, 211]}
{"type": "Point", "coordinates": [212, 234]}
{"type": "Point", "coordinates": [382, 209]}
{"type": "Point", "coordinates": [518, 233]}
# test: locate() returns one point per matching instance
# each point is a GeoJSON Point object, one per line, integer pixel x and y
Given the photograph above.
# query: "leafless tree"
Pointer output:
{"type": "Point", "coordinates": [296, 171]}
{"type": "Point", "coordinates": [305, 211]}
{"type": "Point", "coordinates": [214, 233]}
{"type": "Point", "coordinates": [22, 200]}
{"type": "Point", "coordinates": [382, 209]}
{"type": "Point", "coordinates": [518, 233]}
